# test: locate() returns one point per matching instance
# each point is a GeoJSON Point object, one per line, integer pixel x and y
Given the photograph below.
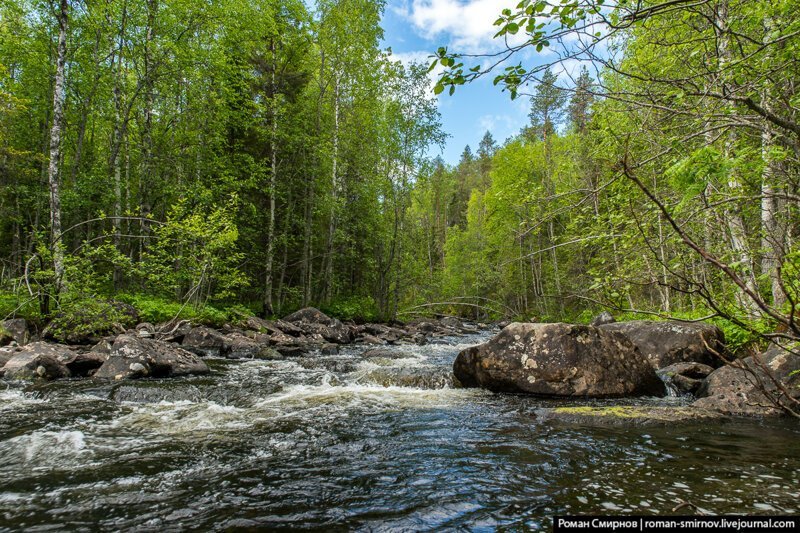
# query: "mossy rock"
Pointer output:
{"type": "Point", "coordinates": [626, 415]}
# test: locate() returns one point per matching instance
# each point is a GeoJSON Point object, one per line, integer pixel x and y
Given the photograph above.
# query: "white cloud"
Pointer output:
{"type": "Point", "coordinates": [468, 25]}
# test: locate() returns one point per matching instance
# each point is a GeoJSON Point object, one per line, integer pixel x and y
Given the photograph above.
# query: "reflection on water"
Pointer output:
{"type": "Point", "coordinates": [344, 442]}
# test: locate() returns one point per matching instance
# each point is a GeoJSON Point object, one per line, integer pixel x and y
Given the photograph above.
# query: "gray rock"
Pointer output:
{"type": "Point", "coordinates": [558, 360]}
{"type": "Point", "coordinates": [173, 331]}
{"type": "Point", "coordinates": [314, 322]}
{"type": "Point", "coordinates": [39, 360]}
{"type": "Point", "coordinates": [757, 388]}
{"type": "Point", "coordinates": [241, 347]}
{"type": "Point", "coordinates": [668, 342]}
{"type": "Point", "coordinates": [309, 315]}
{"type": "Point", "coordinates": [686, 378]}
{"type": "Point", "coordinates": [329, 349]}
{"type": "Point", "coordinates": [602, 319]}
{"type": "Point", "coordinates": [369, 339]}
{"type": "Point", "coordinates": [17, 328]}
{"type": "Point", "coordinates": [146, 330]}
{"type": "Point", "coordinates": [204, 341]}
{"type": "Point", "coordinates": [417, 378]}
{"type": "Point", "coordinates": [133, 357]}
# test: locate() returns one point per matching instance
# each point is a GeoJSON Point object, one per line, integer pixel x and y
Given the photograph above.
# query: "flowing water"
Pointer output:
{"type": "Point", "coordinates": [342, 442]}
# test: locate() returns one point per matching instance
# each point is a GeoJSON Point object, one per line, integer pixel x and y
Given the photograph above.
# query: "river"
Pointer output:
{"type": "Point", "coordinates": [340, 442]}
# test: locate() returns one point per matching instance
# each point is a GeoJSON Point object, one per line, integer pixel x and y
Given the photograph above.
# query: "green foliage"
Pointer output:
{"type": "Point", "coordinates": [159, 310]}
{"type": "Point", "coordinates": [79, 318]}
{"type": "Point", "coordinates": [195, 254]}
{"type": "Point", "coordinates": [357, 308]}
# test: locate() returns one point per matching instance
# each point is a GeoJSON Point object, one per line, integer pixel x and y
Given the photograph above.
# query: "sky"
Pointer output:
{"type": "Point", "coordinates": [414, 29]}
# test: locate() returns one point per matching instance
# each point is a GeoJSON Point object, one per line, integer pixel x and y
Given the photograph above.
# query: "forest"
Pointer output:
{"type": "Point", "coordinates": [222, 159]}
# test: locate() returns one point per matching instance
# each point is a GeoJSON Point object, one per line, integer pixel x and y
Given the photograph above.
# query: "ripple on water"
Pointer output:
{"type": "Point", "coordinates": [324, 444]}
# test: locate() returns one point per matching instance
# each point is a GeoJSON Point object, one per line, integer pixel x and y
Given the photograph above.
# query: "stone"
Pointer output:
{"type": "Point", "coordinates": [602, 319]}
{"type": "Point", "coordinates": [685, 378]}
{"type": "Point", "coordinates": [558, 360]}
{"type": "Point", "coordinates": [626, 416]}
{"type": "Point", "coordinates": [17, 329]}
{"type": "Point", "coordinates": [133, 357]}
{"type": "Point", "coordinates": [39, 360]}
{"type": "Point", "coordinates": [173, 331]}
{"type": "Point", "coordinates": [204, 341]}
{"type": "Point", "coordinates": [756, 385]}
{"type": "Point", "coordinates": [668, 342]}
{"type": "Point", "coordinates": [241, 347]}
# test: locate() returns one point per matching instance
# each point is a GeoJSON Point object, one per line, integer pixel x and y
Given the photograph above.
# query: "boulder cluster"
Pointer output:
{"type": "Point", "coordinates": [611, 359]}
{"type": "Point", "coordinates": [178, 348]}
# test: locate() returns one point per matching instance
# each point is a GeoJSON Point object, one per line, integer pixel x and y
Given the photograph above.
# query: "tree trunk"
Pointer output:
{"type": "Point", "coordinates": [268, 310]}
{"type": "Point", "coordinates": [55, 148]}
{"type": "Point", "coordinates": [772, 237]}
{"type": "Point", "coordinates": [737, 230]}
{"type": "Point", "coordinates": [328, 281]}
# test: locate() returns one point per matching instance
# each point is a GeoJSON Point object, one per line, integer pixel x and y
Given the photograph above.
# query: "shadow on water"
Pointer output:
{"type": "Point", "coordinates": [348, 442]}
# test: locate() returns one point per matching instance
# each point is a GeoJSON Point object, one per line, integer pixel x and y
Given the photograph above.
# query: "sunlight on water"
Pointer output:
{"type": "Point", "coordinates": [385, 443]}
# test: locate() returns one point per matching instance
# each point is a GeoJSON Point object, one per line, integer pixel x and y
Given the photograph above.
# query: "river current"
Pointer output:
{"type": "Point", "coordinates": [342, 442]}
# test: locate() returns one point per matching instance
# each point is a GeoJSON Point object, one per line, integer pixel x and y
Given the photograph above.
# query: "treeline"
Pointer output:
{"type": "Point", "coordinates": [251, 152]}
{"type": "Point", "coordinates": [666, 181]}
{"type": "Point", "coordinates": [265, 155]}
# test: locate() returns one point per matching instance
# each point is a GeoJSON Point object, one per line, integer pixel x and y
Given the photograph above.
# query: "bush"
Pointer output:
{"type": "Point", "coordinates": [79, 319]}
{"type": "Point", "coordinates": [357, 308]}
{"type": "Point", "coordinates": [158, 310]}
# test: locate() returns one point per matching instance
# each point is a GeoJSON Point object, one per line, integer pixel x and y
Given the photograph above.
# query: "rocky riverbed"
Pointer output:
{"type": "Point", "coordinates": [361, 435]}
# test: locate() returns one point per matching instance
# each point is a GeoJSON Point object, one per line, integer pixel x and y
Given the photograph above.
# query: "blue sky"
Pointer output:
{"type": "Point", "coordinates": [416, 28]}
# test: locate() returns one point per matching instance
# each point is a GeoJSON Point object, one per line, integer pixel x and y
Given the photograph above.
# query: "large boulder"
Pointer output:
{"type": "Point", "coordinates": [134, 357]}
{"type": "Point", "coordinates": [204, 341]}
{"type": "Point", "coordinates": [17, 330]}
{"type": "Point", "coordinates": [668, 342]}
{"type": "Point", "coordinates": [558, 360]}
{"type": "Point", "coordinates": [314, 322]}
{"type": "Point", "coordinates": [309, 315]}
{"type": "Point", "coordinates": [241, 347]}
{"type": "Point", "coordinates": [39, 360]}
{"type": "Point", "coordinates": [173, 331]}
{"type": "Point", "coordinates": [273, 327]}
{"type": "Point", "coordinates": [756, 385]}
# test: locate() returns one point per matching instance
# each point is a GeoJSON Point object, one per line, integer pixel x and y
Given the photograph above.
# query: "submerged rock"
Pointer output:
{"type": "Point", "coordinates": [386, 354]}
{"type": "Point", "coordinates": [133, 357]}
{"type": "Point", "coordinates": [625, 415]}
{"type": "Point", "coordinates": [668, 342]}
{"type": "Point", "coordinates": [757, 386]}
{"type": "Point", "coordinates": [686, 378]}
{"type": "Point", "coordinates": [558, 360]}
{"type": "Point", "coordinates": [416, 378]}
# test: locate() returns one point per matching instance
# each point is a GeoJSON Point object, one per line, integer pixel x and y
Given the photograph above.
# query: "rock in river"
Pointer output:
{"type": "Point", "coordinates": [314, 322]}
{"type": "Point", "coordinates": [558, 360]}
{"type": "Point", "coordinates": [668, 342]}
{"type": "Point", "coordinates": [753, 387]}
{"type": "Point", "coordinates": [133, 357]}
{"type": "Point", "coordinates": [685, 378]}
{"type": "Point", "coordinates": [39, 360]}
